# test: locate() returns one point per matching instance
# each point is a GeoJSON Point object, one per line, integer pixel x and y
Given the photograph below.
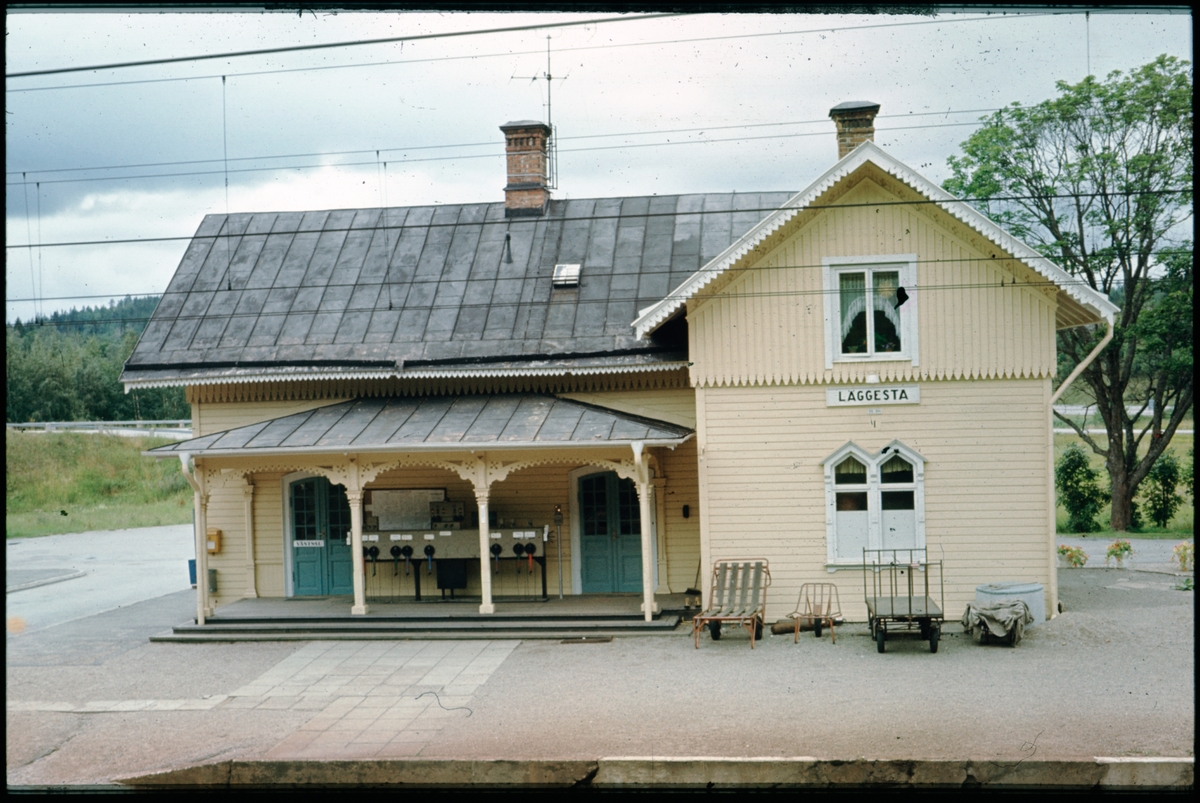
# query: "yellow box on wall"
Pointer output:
{"type": "Point", "coordinates": [214, 541]}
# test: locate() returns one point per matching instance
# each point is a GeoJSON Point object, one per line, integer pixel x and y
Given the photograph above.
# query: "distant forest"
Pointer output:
{"type": "Point", "coordinates": [66, 367]}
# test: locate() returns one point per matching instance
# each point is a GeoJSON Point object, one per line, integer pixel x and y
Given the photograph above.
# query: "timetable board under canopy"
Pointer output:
{"type": "Point", "coordinates": [403, 509]}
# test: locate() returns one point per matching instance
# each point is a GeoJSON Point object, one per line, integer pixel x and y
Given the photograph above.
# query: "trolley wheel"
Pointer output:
{"type": "Point", "coordinates": [924, 625]}
{"type": "Point", "coordinates": [758, 629]}
{"type": "Point", "coordinates": [871, 624]}
{"type": "Point", "coordinates": [934, 633]}
{"type": "Point", "coordinates": [714, 630]}
{"type": "Point", "coordinates": [817, 628]}
{"type": "Point", "coordinates": [880, 635]}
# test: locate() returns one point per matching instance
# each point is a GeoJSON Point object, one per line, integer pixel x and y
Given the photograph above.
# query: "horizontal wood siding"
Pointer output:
{"type": "Point", "coordinates": [336, 389]}
{"type": "Point", "coordinates": [528, 495]}
{"type": "Point", "coordinates": [682, 535]}
{"type": "Point", "coordinates": [986, 480]}
{"type": "Point", "coordinates": [208, 418]}
{"type": "Point", "coordinates": [766, 324]}
{"type": "Point", "coordinates": [268, 535]}
{"type": "Point", "coordinates": [227, 513]}
{"type": "Point", "coordinates": [673, 405]}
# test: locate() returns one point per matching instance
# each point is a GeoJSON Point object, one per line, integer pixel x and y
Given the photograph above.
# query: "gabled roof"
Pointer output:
{"type": "Point", "coordinates": [452, 290]}
{"type": "Point", "coordinates": [435, 423]}
{"type": "Point", "coordinates": [1096, 304]}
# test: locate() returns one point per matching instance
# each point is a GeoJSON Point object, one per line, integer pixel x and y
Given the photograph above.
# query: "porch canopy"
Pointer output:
{"type": "Point", "coordinates": [482, 437]}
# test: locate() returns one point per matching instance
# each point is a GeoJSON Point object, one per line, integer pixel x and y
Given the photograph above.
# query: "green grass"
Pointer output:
{"type": "Point", "coordinates": [69, 483]}
{"type": "Point", "coordinates": [1181, 525]}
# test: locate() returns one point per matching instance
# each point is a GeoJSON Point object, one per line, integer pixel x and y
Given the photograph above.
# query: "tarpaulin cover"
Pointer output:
{"type": "Point", "coordinates": [1000, 619]}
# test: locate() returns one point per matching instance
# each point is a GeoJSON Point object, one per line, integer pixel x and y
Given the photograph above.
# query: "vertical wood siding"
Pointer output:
{"type": "Point", "coordinates": [765, 326]}
{"type": "Point", "coordinates": [986, 444]}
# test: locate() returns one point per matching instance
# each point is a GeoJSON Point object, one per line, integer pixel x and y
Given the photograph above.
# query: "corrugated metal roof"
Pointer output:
{"type": "Point", "coordinates": [504, 421]}
{"type": "Point", "coordinates": [371, 290]}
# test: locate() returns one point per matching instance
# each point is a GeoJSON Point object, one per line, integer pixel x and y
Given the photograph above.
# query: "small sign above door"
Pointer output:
{"type": "Point", "coordinates": [874, 394]}
{"type": "Point", "coordinates": [308, 543]}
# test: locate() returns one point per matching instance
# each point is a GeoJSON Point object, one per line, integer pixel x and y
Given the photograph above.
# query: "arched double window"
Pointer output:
{"type": "Point", "coordinates": [873, 501]}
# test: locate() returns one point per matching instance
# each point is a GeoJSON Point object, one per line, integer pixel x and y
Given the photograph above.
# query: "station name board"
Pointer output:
{"type": "Point", "coordinates": [873, 394]}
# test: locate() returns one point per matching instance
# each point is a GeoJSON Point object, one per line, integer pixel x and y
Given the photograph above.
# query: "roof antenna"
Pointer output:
{"type": "Point", "coordinates": [508, 247]}
{"type": "Point", "coordinates": [552, 145]}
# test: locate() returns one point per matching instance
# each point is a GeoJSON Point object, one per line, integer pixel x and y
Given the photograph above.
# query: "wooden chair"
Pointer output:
{"type": "Point", "coordinates": [739, 595]}
{"type": "Point", "coordinates": [819, 605]}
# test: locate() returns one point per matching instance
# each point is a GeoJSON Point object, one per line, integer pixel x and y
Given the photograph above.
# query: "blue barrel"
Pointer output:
{"type": "Point", "coordinates": [1033, 595]}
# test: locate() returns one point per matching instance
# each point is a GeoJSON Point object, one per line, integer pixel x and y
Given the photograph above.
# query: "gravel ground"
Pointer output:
{"type": "Point", "coordinates": [1112, 676]}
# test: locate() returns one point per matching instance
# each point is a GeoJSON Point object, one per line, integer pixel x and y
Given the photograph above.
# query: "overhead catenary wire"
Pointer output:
{"type": "Point", "coordinates": [330, 45]}
{"type": "Point", "coordinates": [529, 221]}
{"type": "Point", "coordinates": [664, 270]}
{"type": "Point", "coordinates": [842, 29]}
{"type": "Point", "coordinates": [498, 155]}
{"type": "Point", "coordinates": [492, 144]}
{"type": "Point", "coordinates": [529, 303]}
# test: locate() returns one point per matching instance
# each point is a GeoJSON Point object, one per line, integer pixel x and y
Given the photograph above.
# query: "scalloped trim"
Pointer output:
{"type": "Point", "coordinates": [869, 152]}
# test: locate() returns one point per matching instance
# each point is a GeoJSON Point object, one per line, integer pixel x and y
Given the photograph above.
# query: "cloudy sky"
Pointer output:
{"type": "Point", "coordinates": [641, 105]}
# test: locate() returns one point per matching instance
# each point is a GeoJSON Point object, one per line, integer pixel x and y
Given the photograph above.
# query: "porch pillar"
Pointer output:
{"type": "Point", "coordinates": [354, 497]}
{"type": "Point", "coordinates": [644, 492]}
{"type": "Point", "coordinates": [203, 604]}
{"type": "Point", "coordinates": [248, 495]}
{"type": "Point", "coordinates": [658, 488]}
{"type": "Point", "coordinates": [482, 493]}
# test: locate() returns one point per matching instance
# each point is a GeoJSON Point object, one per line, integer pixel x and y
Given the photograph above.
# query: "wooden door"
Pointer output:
{"type": "Point", "coordinates": [321, 559]}
{"type": "Point", "coordinates": [611, 536]}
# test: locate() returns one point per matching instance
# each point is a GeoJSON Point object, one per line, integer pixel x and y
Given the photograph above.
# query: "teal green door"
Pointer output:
{"type": "Point", "coordinates": [611, 537]}
{"type": "Point", "coordinates": [322, 563]}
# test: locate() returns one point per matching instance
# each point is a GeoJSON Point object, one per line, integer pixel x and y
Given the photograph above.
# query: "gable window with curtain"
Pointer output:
{"type": "Point", "coordinates": [870, 309]}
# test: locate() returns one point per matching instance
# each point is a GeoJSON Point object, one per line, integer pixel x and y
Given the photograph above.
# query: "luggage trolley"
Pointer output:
{"type": "Point", "coordinates": [895, 597]}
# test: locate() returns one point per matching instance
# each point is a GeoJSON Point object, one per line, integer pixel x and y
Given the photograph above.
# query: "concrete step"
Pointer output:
{"type": "Point", "coordinates": [445, 628]}
{"type": "Point", "coordinates": [195, 637]}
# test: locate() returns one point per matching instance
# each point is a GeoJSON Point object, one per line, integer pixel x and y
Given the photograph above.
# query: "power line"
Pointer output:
{"type": "Point", "coordinates": [544, 302]}
{"type": "Point", "coordinates": [842, 29]}
{"type": "Point", "coordinates": [582, 218]}
{"type": "Point", "coordinates": [492, 144]}
{"type": "Point", "coordinates": [329, 45]}
{"type": "Point", "coordinates": [626, 146]}
{"type": "Point", "coordinates": [439, 280]}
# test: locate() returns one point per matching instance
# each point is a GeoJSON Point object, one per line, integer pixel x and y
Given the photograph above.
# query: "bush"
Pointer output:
{"type": "Point", "coordinates": [1079, 489]}
{"type": "Point", "coordinates": [1185, 556]}
{"type": "Point", "coordinates": [1161, 499]}
{"type": "Point", "coordinates": [1119, 550]}
{"type": "Point", "coordinates": [1074, 555]}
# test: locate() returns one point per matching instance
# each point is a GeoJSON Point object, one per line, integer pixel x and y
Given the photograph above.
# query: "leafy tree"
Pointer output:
{"type": "Point", "coordinates": [1078, 489]}
{"type": "Point", "coordinates": [67, 367]}
{"type": "Point", "coordinates": [1189, 474]}
{"type": "Point", "coordinates": [1099, 180]}
{"type": "Point", "coordinates": [1161, 498]}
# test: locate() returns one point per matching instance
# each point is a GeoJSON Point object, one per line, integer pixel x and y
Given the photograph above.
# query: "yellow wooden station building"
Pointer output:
{"type": "Point", "coordinates": [868, 363]}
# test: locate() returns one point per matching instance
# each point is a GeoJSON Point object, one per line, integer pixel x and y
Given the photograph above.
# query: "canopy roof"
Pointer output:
{"type": "Point", "coordinates": [435, 423]}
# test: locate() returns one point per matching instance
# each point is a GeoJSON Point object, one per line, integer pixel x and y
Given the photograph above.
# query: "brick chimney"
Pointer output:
{"type": "Point", "coordinates": [855, 120]}
{"type": "Point", "coordinates": [527, 191]}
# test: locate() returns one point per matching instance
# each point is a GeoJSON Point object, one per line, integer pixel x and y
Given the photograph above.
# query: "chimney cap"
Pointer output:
{"type": "Point", "coordinates": [524, 124]}
{"type": "Point", "coordinates": [854, 106]}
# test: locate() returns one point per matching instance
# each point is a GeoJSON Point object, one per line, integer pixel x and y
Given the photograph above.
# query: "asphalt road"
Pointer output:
{"type": "Point", "coordinates": [100, 571]}
{"type": "Point", "coordinates": [90, 700]}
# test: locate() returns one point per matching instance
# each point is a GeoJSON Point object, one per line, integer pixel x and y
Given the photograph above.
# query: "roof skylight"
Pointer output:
{"type": "Point", "coordinates": [566, 275]}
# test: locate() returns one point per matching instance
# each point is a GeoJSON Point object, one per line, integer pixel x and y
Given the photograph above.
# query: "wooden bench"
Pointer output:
{"type": "Point", "coordinates": [739, 595]}
{"type": "Point", "coordinates": [818, 605]}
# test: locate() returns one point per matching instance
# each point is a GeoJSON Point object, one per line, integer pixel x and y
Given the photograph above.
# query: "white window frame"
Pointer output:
{"type": "Point", "coordinates": [832, 269]}
{"type": "Point", "coordinates": [874, 489]}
